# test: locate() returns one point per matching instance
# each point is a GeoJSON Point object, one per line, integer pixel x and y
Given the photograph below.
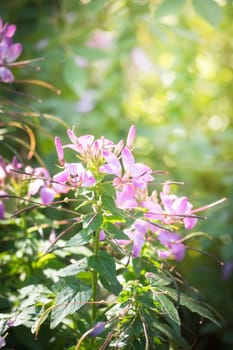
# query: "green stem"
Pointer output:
{"type": "Point", "coordinates": [94, 278]}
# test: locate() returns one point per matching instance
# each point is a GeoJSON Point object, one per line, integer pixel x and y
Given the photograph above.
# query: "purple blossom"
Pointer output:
{"type": "Point", "coordinates": [175, 207]}
{"type": "Point", "coordinates": [47, 195]}
{"type": "Point", "coordinates": [227, 270]}
{"type": "Point", "coordinates": [9, 52]}
{"type": "Point", "coordinates": [97, 329]}
{"type": "Point", "coordinates": [60, 151]}
{"type": "Point", "coordinates": [6, 30]}
{"type": "Point", "coordinates": [131, 136]}
{"type": "Point", "coordinates": [125, 197]}
{"type": "Point", "coordinates": [102, 235]}
{"type": "Point", "coordinates": [88, 148]}
{"type": "Point", "coordinates": [173, 247]}
{"type": "Point", "coordinates": [136, 173]}
{"type": "Point", "coordinates": [2, 210]}
{"type": "Point", "coordinates": [74, 175]}
{"type": "Point", "coordinates": [137, 235]}
{"type": "Point", "coordinates": [2, 171]}
{"type": "Point", "coordinates": [2, 342]}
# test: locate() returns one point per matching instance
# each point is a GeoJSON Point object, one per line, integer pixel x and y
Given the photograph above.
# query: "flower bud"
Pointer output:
{"type": "Point", "coordinates": [131, 136]}
{"type": "Point", "coordinates": [60, 151]}
{"type": "Point", "coordinates": [98, 328]}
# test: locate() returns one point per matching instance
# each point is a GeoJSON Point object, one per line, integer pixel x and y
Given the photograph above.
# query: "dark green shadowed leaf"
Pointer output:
{"type": "Point", "coordinates": [114, 288]}
{"type": "Point", "coordinates": [169, 309]}
{"type": "Point", "coordinates": [115, 232]}
{"type": "Point", "coordinates": [104, 264]}
{"type": "Point", "coordinates": [194, 306]}
{"type": "Point", "coordinates": [171, 335]}
{"type": "Point", "coordinates": [92, 223]}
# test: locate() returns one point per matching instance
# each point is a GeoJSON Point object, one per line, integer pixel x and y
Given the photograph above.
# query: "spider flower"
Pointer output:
{"type": "Point", "coordinates": [9, 51]}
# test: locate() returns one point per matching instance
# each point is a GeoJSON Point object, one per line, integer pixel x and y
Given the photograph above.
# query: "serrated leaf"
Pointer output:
{"type": "Point", "coordinates": [114, 288]}
{"type": "Point", "coordinates": [209, 10]}
{"type": "Point", "coordinates": [169, 309]}
{"type": "Point", "coordinates": [104, 264]}
{"type": "Point", "coordinates": [109, 204]}
{"type": "Point", "coordinates": [171, 334]}
{"type": "Point", "coordinates": [80, 239]}
{"type": "Point", "coordinates": [92, 222]}
{"type": "Point", "coordinates": [193, 305]}
{"type": "Point", "coordinates": [75, 76]}
{"type": "Point", "coordinates": [114, 231]}
{"type": "Point", "coordinates": [73, 269]}
{"type": "Point", "coordinates": [71, 298]}
{"type": "Point", "coordinates": [158, 279]}
{"type": "Point", "coordinates": [168, 7]}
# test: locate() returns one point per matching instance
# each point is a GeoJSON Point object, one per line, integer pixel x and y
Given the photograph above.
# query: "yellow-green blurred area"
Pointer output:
{"type": "Point", "coordinates": [165, 66]}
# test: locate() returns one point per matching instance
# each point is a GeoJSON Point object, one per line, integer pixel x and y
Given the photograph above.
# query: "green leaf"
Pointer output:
{"type": "Point", "coordinates": [158, 279]}
{"type": "Point", "coordinates": [71, 298]}
{"type": "Point", "coordinates": [109, 205]}
{"type": "Point", "coordinates": [168, 7]}
{"type": "Point", "coordinates": [114, 231]}
{"type": "Point", "coordinates": [104, 264]}
{"type": "Point", "coordinates": [92, 223]}
{"type": "Point", "coordinates": [168, 308]}
{"type": "Point", "coordinates": [114, 288]}
{"type": "Point", "coordinates": [73, 269]}
{"type": "Point", "coordinates": [171, 334]}
{"type": "Point", "coordinates": [209, 10]}
{"type": "Point", "coordinates": [194, 306]}
{"type": "Point", "coordinates": [80, 239]}
{"type": "Point", "coordinates": [75, 76]}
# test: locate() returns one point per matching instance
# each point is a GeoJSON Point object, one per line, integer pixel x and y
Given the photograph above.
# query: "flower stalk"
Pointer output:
{"type": "Point", "coordinates": [95, 277]}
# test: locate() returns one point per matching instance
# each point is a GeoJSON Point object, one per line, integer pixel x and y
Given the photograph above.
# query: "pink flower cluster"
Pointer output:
{"type": "Point", "coordinates": [14, 178]}
{"type": "Point", "coordinates": [102, 157]}
{"type": "Point", "coordinates": [9, 52]}
{"type": "Point", "coordinates": [159, 214]}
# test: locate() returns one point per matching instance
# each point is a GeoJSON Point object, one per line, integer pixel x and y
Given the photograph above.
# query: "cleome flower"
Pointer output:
{"type": "Point", "coordinates": [9, 52]}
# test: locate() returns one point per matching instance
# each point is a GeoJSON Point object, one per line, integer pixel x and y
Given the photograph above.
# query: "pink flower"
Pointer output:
{"type": "Point", "coordinates": [2, 210]}
{"type": "Point", "coordinates": [173, 247]}
{"type": "Point", "coordinates": [60, 151]}
{"type": "Point", "coordinates": [9, 52]}
{"type": "Point", "coordinates": [6, 30]}
{"type": "Point", "coordinates": [88, 148]}
{"type": "Point", "coordinates": [73, 175]}
{"type": "Point", "coordinates": [176, 207]}
{"type": "Point", "coordinates": [125, 198]}
{"type": "Point", "coordinates": [98, 328]}
{"type": "Point", "coordinates": [131, 136]}
{"type": "Point", "coordinates": [47, 195]}
{"type": "Point", "coordinates": [102, 235]}
{"type": "Point", "coordinates": [137, 234]}
{"type": "Point", "coordinates": [136, 173]}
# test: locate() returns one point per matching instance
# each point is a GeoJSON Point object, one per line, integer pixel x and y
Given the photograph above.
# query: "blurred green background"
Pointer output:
{"type": "Point", "coordinates": [165, 66]}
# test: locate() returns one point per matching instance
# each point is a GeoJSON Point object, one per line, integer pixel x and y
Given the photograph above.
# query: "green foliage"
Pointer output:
{"type": "Point", "coordinates": [209, 10]}
{"type": "Point", "coordinates": [72, 297]}
{"type": "Point", "coordinates": [168, 7]}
